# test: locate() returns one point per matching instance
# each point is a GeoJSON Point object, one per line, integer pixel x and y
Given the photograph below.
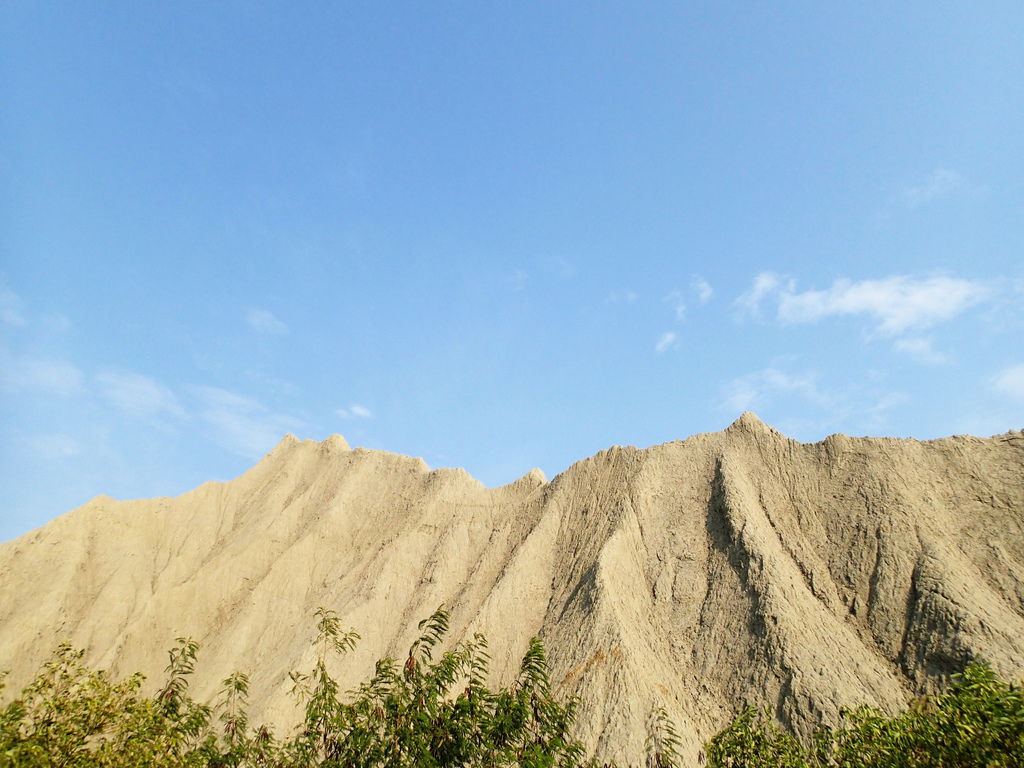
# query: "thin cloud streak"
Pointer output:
{"type": "Point", "coordinates": [921, 350]}
{"type": "Point", "coordinates": [11, 307]}
{"type": "Point", "coordinates": [897, 304]}
{"type": "Point", "coordinates": [355, 411]}
{"type": "Point", "coordinates": [801, 406]}
{"type": "Point", "coordinates": [622, 297]}
{"type": "Point", "coordinates": [675, 298]}
{"type": "Point", "coordinates": [765, 284]}
{"type": "Point", "coordinates": [1011, 382]}
{"type": "Point", "coordinates": [39, 376]}
{"type": "Point", "coordinates": [665, 342]}
{"type": "Point", "coordinates": [519, 279]}
{"type": "Point", "coordinates": [702, 288]}
{"type": "Point", "coordinates": [138, 395]}
{"type": "Point", "coordinates": [753, 390]}
{"type": "Point", "coordinates": [53, 447]}
{"type": "Point", "coordinates": [242, 424]}
{"type": "Point", "coordinates": [939, 183]}
{"type": "Point", "coordinates": [264, 322]}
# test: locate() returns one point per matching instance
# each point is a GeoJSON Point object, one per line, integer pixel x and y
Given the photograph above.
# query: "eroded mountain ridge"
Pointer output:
{"type": "Point", "coordinates": [737, 566]}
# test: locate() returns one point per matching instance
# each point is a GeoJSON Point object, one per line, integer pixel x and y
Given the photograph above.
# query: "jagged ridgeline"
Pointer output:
{"type": "Point", "coordinates": [695, 576]}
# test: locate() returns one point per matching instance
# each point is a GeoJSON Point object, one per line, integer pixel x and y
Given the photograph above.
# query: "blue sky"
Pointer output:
{"type": "Point", "coordinates": [496, 235]}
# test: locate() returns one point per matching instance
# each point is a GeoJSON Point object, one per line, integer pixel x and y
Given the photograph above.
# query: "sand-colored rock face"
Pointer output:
{"type": "Point", "coordinates": [696, 575]}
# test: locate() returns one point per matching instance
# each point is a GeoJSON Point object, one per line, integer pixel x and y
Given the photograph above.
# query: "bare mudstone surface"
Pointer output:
{"type": "Point", "coordinates": [739, 566]}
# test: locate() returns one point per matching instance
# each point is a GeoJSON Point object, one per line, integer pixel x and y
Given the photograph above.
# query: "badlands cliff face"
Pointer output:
{"type": "Point", "coordinates": [733, 567]}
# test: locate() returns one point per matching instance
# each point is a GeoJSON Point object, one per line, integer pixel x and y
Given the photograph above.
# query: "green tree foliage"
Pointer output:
{"type": "Point", "coordinates": [662, 741]}
{"type": "Point", "coordinates": [424, 712]}
{"type": "Point", "coordinates": [432, 710]}
{"type": "Point", "coordinates": [74, 716]}
{"type": "Point", "coordinates": [752, 740]}
{"type": "Point", "coordinates": [977, 723]}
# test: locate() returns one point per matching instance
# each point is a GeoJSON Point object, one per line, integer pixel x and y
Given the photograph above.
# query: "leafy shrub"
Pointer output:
{"type": "Point", "coordinates": [431, 712]}
{"type": "Point", "coordinates": [423, 712]}
{"type": "Point", "coordinates": [753, 741]}
{"type": "Point", "coordinates": [979, 722]}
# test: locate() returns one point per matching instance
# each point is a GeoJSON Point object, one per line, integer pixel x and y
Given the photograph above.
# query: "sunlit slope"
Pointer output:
{"type": "Point", "coordinates": [696, 575]}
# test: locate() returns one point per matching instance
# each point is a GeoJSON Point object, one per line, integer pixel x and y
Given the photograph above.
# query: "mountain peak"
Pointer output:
{"type": "Point", "coordinates": [534, 477]}
{"type": "Point", "coordinates": [335, 443]}
{"type": "Point", "coordinates": [748, 421]}
{"type": "Point", "coordinates": [285, 442]}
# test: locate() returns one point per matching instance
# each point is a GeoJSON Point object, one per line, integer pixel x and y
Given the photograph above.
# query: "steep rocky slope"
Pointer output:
{"type": "Point", "coordinates": [696, 575]}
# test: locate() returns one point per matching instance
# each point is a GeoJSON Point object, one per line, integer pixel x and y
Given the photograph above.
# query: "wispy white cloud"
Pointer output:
{"type": "Point", "coordinates": [699, 287]}
{"type": "Point", "coordinates": [52, 447]}
{"type": "Point", "coordinates": [896, 304]}
{"type": "Point", "coordinates": [702, 288]}
{"type": "Point", "coordinates": [624, 296]}
{"type": "Point", "coordinates": [938, 183]}
{"type": "Point", "coordinates": [519, 279]}
{"type": "Point", "coordinates": [921, 350]}
{"type": "Point", "coordinates": [984, 424]}
{"type": "Point", "coordinates": [765, 284]}
{"type": "Point", "coordinates": [39, 375]}
{"type": "Point", "coordinates": [666, 341]}
{"type": "Point", "coordinates": [675, 299]}
{"type": "Point", "coordinates": [801, 406]}
{"type": "Point", "coordinates": [355, 411]}
{"type": "Point", "coordinates": [985, 416]}
{"type": "Point", "coordinates": [55, 323]}
{"type": "Point", "coordinates": [566, 269]}
{"type": "Point", "coordinates": [138, 395]}
{"type": "Point", "coordinates": [262, 321]}
{"type": "Point", "coordinates": [242, 424]}
{"type": "Point", "coordinates": [272, 385]}
{"type": "Point", "coordinates": [11, 307]}
{"type": "Point", "coordinates": [1010, 382]}
{"type": "Point", "coordinates": [753, 390]}
{"type": "Point", "coordinates": [886, 403]}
